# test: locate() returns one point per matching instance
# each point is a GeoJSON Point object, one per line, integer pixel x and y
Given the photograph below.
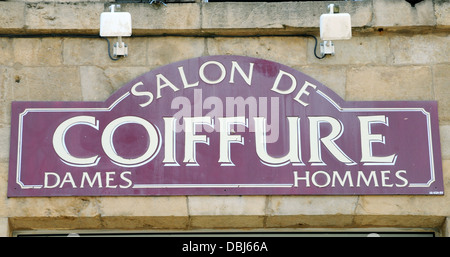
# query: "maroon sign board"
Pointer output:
{"type": "Point", "coordinates": [224, 125]}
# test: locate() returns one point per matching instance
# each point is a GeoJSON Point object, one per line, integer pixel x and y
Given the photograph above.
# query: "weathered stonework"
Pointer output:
{"type": "Point", "coordinates": [385, 83]}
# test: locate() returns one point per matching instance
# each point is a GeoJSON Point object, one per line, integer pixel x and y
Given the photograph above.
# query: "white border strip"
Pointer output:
{"type": "Point", "coordinates": [162, 186]}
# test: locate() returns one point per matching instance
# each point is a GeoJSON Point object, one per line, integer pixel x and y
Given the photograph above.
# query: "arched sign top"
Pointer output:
{"type": "Point", "coordinates": [224, 125]}
{"type": "Point", "coordinates": [225, 73]}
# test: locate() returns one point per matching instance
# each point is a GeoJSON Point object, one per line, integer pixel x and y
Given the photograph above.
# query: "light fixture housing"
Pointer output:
{"type": "Point", "coordinates": [116, 24]}
{"type": "Point", "coordinates": [334, 26]}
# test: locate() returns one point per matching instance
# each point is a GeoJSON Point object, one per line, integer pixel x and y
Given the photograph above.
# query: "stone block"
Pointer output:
{"type": "Point", "coordinates": [14, 87]}
{"type": "Point", "coordinates": [361, 12]}
{"type": "Point", "coordinates": [6, 51]}
{"type": "Point", "coordinates": [4, 142]}
{"type": "Point", "coordinates": [120, 75]}
{"type": "Point", "coordinates": [38, 51]}
{"type": "Point", "coordinates": [400, 205]}
{"type": "Point", "coordinates": [95, 86]}
{"type": "Point", "coordinates": [44, 83]}
{"type": "Point", "coordinates": [407, 205]}
{"type": "Point", "coordinates": [86, 51]}
{"type": "Point", "coordinates": [226, 205]}
{"type": "Point", "coordinates": [286, 16]}
{"type": "Point", "coordinates": [4, 227]}
{"type": "Point", "coordinates": [11, 16]}
{"type": "Point", "coordinates": [84, 17]}
{"type": "Point", "coordinates": [56, 223]}
{"type": "Point", "coordinates": [259, 15]}
{"type": "Point", "coordinates": [67, 207]}
{"type": "Point", "coordinates": [444, 132]}
{"type": "Point", "coordinates": [399, 221]}
{"type": "Point", "coordinates": [394, 13]}
{"type": "Point", "coordinates": [311, 205]}
{"type": "Point", "coordinates": [165, 50]}
{"type": "Point", "coordinates": [446, 227]}
{"type": "Point", "coordinates": [98, 84]}
{"type": "Point", "coordinates": [441, 74]}
{"type": "Point", "coordinates": [5, 112]}
{"type": "Point", "coordinates": [5, 95]}
{"type": "Point", "coordinates": [226, 222]}
{"type": "Point", "coordinates": [420, 49]}
{"type": "Point", "coordinates": [370, 83]}
{"type": "Point", "coordinates": [5, 85]}
{"type": "Point", "coordinates": [150, 19]}
{"type": "Point", "coordinates": [144, 223]}
{"type": "Point", "coordinates": [357, 50]}
{"type": "Point", "coordinates": [442, 12]}
{"type": "Point", "coordinates": [96, 222]}
{"type": "Point", "coordinates": [3, 188]}
{"type": "Point", "coordinates": [62, 17]}
{"type": "Point", "coordinates": [289, 51]}
{"type": "Point", "coordinates": [332, 76]}
{"type": "Point", "coordinates": [79, 51]}
{"type": "Point", "coordinates": [310, 221]}
{"type": "Point", "coordinates": [143, 206]}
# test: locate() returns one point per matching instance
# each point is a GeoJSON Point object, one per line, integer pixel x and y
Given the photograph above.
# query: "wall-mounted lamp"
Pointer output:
{"type": "Point", "coordinates": [334, 26]}
{"type": "Point", "coordinates": [116, 24]}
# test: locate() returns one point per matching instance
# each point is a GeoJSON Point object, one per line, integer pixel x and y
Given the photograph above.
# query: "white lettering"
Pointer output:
{"type": "Point", "coordinates": [398, 175]}
{"type": "Point", "coordinates": [191, 139]}
{"type": "Point", "coordinates": [367, 138]}
{"type": "Point", "coordinates": [201, 72]}
{"type": "Point", "coordinates": [322, 178]}
{"type": "Point", "coordinates": [68, 179]}
{"type": "Point", "coordinates": [91, 182]}
{"type": "Point", "coordinates": [167, 83]}
{"type": "Point", "coordinates": [169, 142]}
{"type": "Point", "coordinates": [142, 93]}
{"type": "Point", "coordinates": [183, 78]}
{"type": "Point", "coordinates": [384, 177]}
{"type": "Point", "coordinates": [152, 150]}
{"type": "Point", "coordinates": [277, 82]}
{"type": "Point", "coordinates": [129, 182]}
{"type": "Point", "coordinates": [247, 78]}
{"type": "Point", "coordinates": [304, 92]}
{"type": "Point", "coordinates": [46, 179]}
{"type": "Point", "coordinates": [294, 154]}
{"type": "Point", "coordinates": [329, 141]}
{"type": "Point", "coordinates": [305, 178]}
{"type": "Point", "coordinates": [59, 142]}
{"type": "Point", "coordinates": [327, 177]}
{"type": "Point", "coordinates": [94, 181]}
{"type": "Point", "coordinates": [347, 177]}
{"type": "Point", "coordinates": [226, 138]}
{"type": "Point", "coordinates": [110, 177]}
{"type": "Point", "coordinates": [372, 176]}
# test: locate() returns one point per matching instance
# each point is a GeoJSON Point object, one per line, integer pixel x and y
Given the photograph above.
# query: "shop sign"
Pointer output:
{"type": "Point", "coordinates": [224, 125]}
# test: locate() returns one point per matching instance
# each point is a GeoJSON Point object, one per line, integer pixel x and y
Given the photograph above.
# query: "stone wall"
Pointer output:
{"type": "Point", "coordinates": [397, 52]}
